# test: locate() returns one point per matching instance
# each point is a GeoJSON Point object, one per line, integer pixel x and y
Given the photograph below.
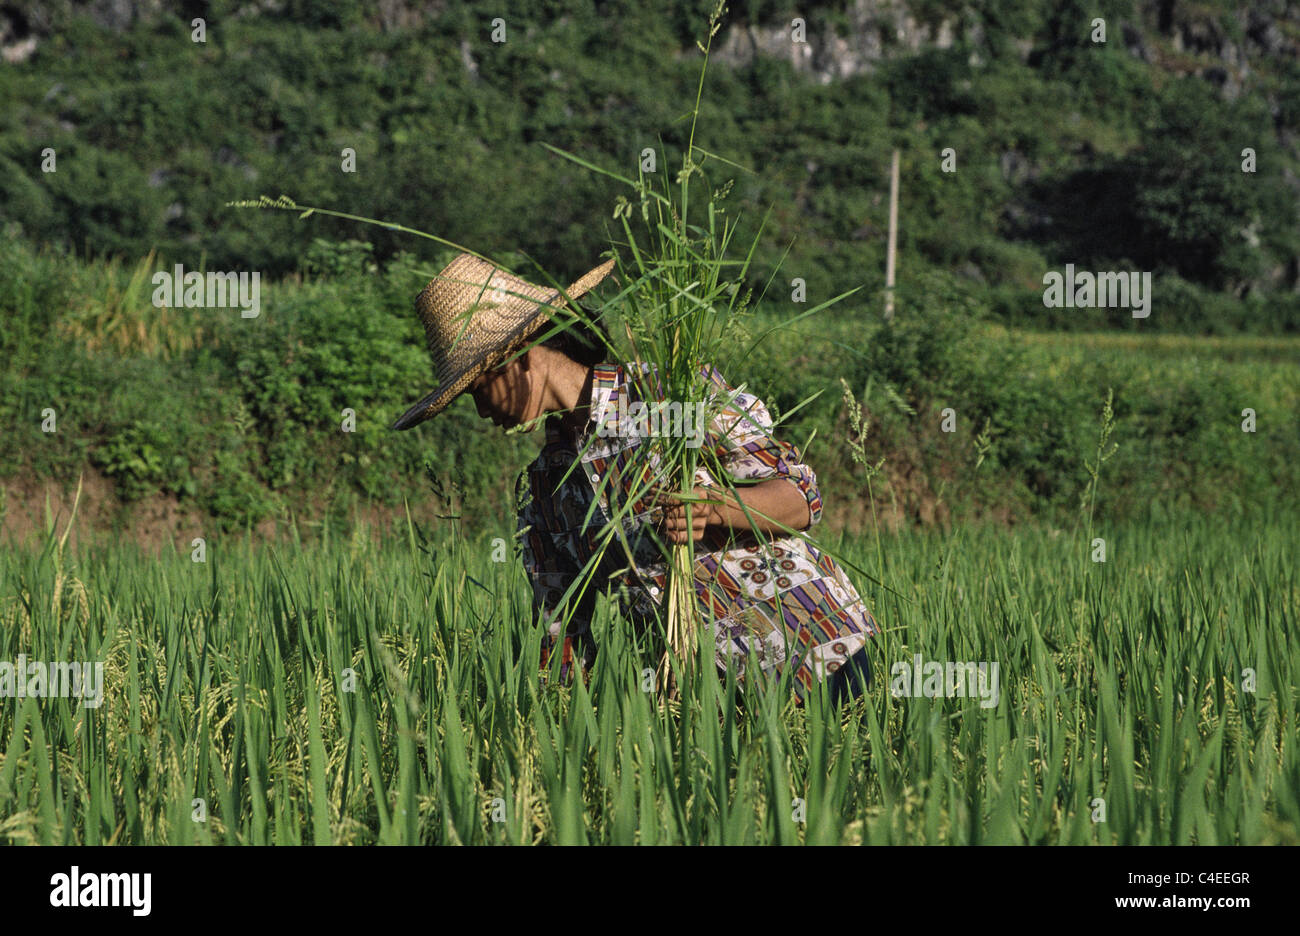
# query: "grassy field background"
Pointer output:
{"type": "Point", "coordinates": [228, 696]}
{"type": "Point", "coordinates": [227, 681]}
{"type": "Point", "coordinates": [347, 667]}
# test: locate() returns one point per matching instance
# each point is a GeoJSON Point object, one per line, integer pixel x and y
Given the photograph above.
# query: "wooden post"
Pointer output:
{"type": "Point", "coordinates": [893, 237]}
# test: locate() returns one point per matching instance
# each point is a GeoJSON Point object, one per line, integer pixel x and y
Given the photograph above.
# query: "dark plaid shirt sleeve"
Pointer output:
{"type": "Point", "coordinates": [550, 571]}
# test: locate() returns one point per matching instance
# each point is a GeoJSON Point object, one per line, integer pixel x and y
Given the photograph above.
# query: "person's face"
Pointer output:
{"type": "Point", "coordinates": [504, 394]}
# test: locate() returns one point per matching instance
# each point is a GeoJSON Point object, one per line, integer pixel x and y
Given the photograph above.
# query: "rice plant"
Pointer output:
{"type": "Point", "coordinates": [384, 689]}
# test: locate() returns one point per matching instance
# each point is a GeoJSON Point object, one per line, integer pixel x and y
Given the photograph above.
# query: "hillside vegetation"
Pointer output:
{"type": "Point", "coordinates": [1118, 155]}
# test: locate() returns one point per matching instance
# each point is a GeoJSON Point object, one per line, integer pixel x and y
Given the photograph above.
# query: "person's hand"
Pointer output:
{"type": "Point", "coordinates": [670, 511]}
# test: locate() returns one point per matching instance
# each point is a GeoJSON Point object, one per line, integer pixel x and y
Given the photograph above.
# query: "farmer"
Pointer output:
{"type": "Point", "coordinates": [767, 600]}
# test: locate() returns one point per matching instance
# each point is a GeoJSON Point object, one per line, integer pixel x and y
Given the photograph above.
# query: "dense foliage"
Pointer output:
{"type": "Point", "coordinates": [1117, 155]}
{"type": "Point", "coordinates": [1067, 150]}
{"type": "Point", "coordinates": [242, 419]}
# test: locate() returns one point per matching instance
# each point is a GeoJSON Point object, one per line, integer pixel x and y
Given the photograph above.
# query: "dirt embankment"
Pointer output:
{"type": "Point", "coordinates": [160, 522]}
{"type": "Point", "coordinates": [156, 523]}
{"type": "Point", "coordinates": [29, 505]}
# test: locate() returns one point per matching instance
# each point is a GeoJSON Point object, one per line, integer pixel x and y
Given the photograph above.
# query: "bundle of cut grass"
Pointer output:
{"type": "Point", "coordinates": [683, 311]}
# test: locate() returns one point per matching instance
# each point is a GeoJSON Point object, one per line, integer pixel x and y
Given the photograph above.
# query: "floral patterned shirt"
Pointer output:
{"type": "Point", "coordinates": [773, 604]}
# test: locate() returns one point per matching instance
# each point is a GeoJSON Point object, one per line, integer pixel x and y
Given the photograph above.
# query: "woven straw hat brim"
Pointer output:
{"type": "Point", "coordinates": [456, 384]}
{"type": "Point", "coordinates": [453, 383]}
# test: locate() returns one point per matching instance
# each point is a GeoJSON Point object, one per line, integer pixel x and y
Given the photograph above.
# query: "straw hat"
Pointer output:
{"type": "Point", "coordinates": [475, 316]}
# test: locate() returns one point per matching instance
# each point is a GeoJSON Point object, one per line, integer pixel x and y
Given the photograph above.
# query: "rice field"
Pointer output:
{"type": "Point", "coordinates": [384, 689]}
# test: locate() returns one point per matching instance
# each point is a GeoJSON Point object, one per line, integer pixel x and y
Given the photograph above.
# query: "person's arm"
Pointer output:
{"type": "Point", "coordinates": [777, 500]}
{"type": "Point", "coordinates": [785, 495]}
{"type": "Point", "coordinates": [775, 506]}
